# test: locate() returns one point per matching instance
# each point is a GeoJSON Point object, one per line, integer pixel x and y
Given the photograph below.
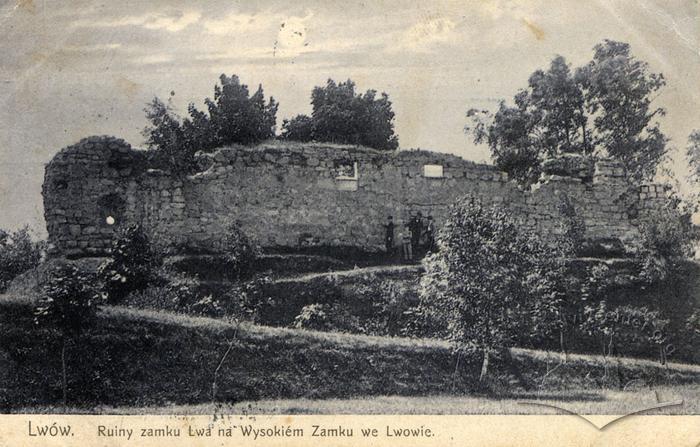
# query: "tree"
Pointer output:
{"type": "Point", "coordinates": [68, 304]}
{"type": "Point", "coordinates": [341, 116]}
{"type": "Point", "coordinates": [165, 135]}
{"type": "Point", "coordinates": [233, 116]}
{"type": "Point", "coordinates": [18, 253]}
{"type": "Point", "coordinates": [618, 90]}
{"type": "Point", "coordinates": [510, 135]}
{"type": "Point", "coordinates": [299, 128]}
{"type": "Point", "coordinates": [237, 117]}
{"type": "Point", "coordinates": [600, 109]}
{"type": "Point", "coordinates": [558, 104]}
{"type": "Point", "coordinates": [487, 280]}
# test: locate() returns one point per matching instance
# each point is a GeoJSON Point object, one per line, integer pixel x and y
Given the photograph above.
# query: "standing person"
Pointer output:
{"type": "Point", "coordinates": [406, 244]}
{"type": "Point", "coordinates": [416, 229]}
{"type": "Point", "coordinates": [430, 234]}
{"type": "Point", "coordinates": [389, 236]}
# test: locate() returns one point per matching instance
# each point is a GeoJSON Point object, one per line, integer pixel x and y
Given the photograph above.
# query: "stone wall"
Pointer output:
{"type": "Point", "coordinates": [286, 194]}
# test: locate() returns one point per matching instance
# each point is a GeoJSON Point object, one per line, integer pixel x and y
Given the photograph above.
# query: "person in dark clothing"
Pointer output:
{"type": "Point", "coordinates": [389, 236]}
{"type": "Point", "coordinates": [430, 235]}
{"type": "Point", "coordinates": [415, 226]}
{"type": "Point", "coordinates": [406, 245]}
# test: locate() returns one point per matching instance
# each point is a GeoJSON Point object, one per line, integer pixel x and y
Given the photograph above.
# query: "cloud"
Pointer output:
{"type": "Point", "coordinates": [287, 35]}
{"type": "Point", "coordinates": [172, 22]}
{"type": "Point", "coordinates": [428, 32]}
{"type": "Point", "coordinates": [151, 59]}
{"type": "Point", "coordinates": [92, 47]}
{"type": "Point", "coordinates": [498, 9]}
{"type": "Point", "coordinates": [241, 23]}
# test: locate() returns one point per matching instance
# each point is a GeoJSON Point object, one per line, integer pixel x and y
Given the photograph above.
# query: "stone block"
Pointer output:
{"type": "Point", "coordinates": [74, 230]}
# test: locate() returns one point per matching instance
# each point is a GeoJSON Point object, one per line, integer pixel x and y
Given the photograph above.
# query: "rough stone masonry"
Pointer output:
{"type": "Point", "coordinates": [291, 194]}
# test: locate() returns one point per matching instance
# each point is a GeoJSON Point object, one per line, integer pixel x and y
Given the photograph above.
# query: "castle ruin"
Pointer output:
{"type": "Point", "coordinates": [292, 194]}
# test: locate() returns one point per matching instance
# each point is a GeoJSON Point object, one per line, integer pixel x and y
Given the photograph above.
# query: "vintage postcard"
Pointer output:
{"type": "Point", "coordinates": [468, 222]}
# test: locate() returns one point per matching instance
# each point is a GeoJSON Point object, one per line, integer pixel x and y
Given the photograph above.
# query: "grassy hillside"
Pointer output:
{"type": "Point", "coordinates": [684, 399]}
{"type": "Point", "coordinates": [145, 358]}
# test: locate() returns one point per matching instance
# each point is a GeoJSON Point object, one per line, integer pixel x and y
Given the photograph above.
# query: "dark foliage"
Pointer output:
{"type": "Point", "coordinates": [69, 299]}
{"type": "Point", "coordinates": [601, 108]}
{"type": "Point", "coordinates": [232, 116]}
{"type": "Point", "coordinates": [68, 305]}
{"type": "Point", "coordinates": [374, 306]}
{"type": "Point", "coordinates": [240, 253]}
{"type": "Point", "coordinates": [299, 128]}
{"type": "Point", "coordinates": [574, 237]}
{"type": "Point", "coordinates": [342, 116]}
{"type": "Point", "coordinates": [489, 280]}
{"type": "Point", "coordinates": [133, 264]}
{"type": "Point", "coordinates": [617, 328]}
{"type": "Point", "coordinates": [18, 253]}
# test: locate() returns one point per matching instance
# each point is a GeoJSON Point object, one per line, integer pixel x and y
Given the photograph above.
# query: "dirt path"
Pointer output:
{"type": "Point", "coordinates": [380, 269]}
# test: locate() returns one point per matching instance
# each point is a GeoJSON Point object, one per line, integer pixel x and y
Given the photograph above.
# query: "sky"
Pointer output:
{"type": "Point", "coordinates": [71, 69]}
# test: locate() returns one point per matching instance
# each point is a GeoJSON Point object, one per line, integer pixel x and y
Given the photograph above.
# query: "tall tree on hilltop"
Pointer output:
{"type": "Point", "coordinates": [233, 116]}
{"type": "Point", "coordinates": [602, 109]}
{"type": "Point", "coordinates": [165, 135]}
{"type": "Point", "coordinates": [619, 90]}
{"type": "Point", "coordinates": [237, 117]}
{"type": "Point", "coordinates": [342, 116]}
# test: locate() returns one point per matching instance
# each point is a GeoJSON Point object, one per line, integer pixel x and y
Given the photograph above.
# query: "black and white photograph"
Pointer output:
{"type": "Point", "coordinates": [473, 207]}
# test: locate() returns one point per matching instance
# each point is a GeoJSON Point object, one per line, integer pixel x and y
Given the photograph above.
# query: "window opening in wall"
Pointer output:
{"type": "Point", "coordinates": [432, 171]}
{"type": "Point", "coordinates": [345, 170]}
{"type": "Point", "coordinates": [346, 175]}
{"type": "Point", "coordinates": [111, 207]}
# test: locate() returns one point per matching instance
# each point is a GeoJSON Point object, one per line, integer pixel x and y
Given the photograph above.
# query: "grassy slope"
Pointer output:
{"type": "Point", "coordinates": [147, 358]}
{"type": "Point", "coordinates": [681, 399]}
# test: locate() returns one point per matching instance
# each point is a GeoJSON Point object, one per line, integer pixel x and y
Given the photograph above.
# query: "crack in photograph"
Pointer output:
{"type": "Point", "coordinates": [482, 207]}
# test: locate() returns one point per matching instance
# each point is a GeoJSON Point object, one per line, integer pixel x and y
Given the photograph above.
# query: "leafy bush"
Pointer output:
{"type": "Point", "coordinates": [369, 305]}
{"type": "Point", "coordinates": [487, 278]}
{"type": "Point", "coordinates": [68, 304]}
{"type": "Point", "coordinates": [299, 128]}
{"type": "Point", "coordinates": [668, 232]}
{"type": "Point", "coordinates": [617, 328]}
{"type": "Point", "coordinates": [250, 301]}
{"type": "Point", "coordinates": [666, 240]}
{"type": "Point", "coordinates": [314, 316]}
{"type": "Point", "coordinates": [383, 306]}
{"type": "Point", "coordinates": [341, 116]}
{"type": "Point", "coordinates": [68, 299]}
{"type": "Point", "coordinates": [133, 264]}
{"type": "Point", "coordinates": [574, 227]}
{"type": "Point", "coordinates": [690, 336]}
{"type": "Point", "coordinates": [166, 291]}
{"type": "Point", "coordinates": [18, 253]}
{"type": "Point", "coordinates": [240, 253]}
